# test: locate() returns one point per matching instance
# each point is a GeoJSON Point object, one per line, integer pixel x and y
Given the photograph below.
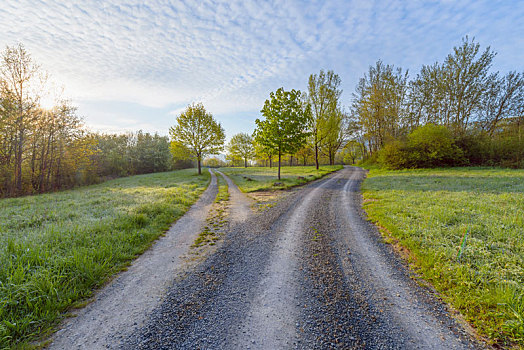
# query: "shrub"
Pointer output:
{"type": "Point", "coordinates": [432, 146]}
{"type": "Point", "coordinates": [394, 155]}
{"type": "Point", "coordinates": [428, 146]}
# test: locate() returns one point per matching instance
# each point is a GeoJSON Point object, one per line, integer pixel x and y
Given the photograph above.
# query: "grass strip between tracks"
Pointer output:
{"type": "Point", "coordinates": [464, 228]}
{"type": "Point", "coordinates": [254, 179]}
{"type": "Point", "coordinates": [56, 248]}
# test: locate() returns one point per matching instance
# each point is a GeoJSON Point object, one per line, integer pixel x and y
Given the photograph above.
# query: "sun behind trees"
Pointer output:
{"type": "Point", "coordinates": [46, 149]}
{"type": "Point", "coordinates": [196, 134]}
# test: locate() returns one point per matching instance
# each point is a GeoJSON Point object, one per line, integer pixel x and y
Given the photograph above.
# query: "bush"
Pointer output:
{"type": "Point", "coordinates": [394, 155]}
{"type": "Point", "coordinates": [428, 146]}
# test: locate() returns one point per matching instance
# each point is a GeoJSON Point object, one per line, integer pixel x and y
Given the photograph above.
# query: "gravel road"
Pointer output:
{"type": "Point", "coordinates": [123, 305]}
{"type": "Point", "coordinates": [307, 273]}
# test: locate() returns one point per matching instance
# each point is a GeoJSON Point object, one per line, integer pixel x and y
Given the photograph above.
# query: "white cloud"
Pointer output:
{"type": "Point", "coordinates": [229, 54]}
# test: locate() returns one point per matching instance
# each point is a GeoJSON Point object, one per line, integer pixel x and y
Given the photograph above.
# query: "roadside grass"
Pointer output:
{"type": "Point", "coordinates": [216, 220]}
{"type": "Point", "coordinates": [56, 248]}
{"type": "Point", "coordinates": [254, 179]}
{"type": "Point", "coordinates": [430, 210]}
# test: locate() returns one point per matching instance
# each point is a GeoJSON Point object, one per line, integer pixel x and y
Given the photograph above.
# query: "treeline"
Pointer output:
{"type": "Point", "coordinates": [457, 112]}
{"type": "Point", "coordinates": [47, 149]}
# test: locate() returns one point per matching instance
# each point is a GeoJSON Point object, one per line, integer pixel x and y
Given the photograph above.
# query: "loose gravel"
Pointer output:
{"type": "Point", "coordinates": [308, 273]}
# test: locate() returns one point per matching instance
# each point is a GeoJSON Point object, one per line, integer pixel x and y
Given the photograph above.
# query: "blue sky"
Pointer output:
{"type": "Point", "coordinates": [132, 65]}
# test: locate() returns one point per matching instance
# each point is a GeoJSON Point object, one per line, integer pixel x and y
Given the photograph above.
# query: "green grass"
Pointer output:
{"type": "Point", "coordinates": [215, 221]}
{"type": "Point", "coordinates": [429, 211]}
{"type": "Point", "coordinates": [254, 179]}
{"type": "Point", "coordinates": [56, 248]}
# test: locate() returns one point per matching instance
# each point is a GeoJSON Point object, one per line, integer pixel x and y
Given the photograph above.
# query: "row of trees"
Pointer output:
{"type": "Point", "coordinates": [483, 110]}
{"type": "Point", "coordinates": [48, 148]}
{"type": "Point", "coordinates": [296, 124]}
{"type": "Point", "coordinates": [307, 126]}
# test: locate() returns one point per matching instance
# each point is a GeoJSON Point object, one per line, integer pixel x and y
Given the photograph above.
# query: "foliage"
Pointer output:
{"type": "Point", "coordinates": [241, 146]}
{"type": "Point", "coordinates": [132, 154]}
{"type": "Point", "coordinates": [428, 211]}
{"type": "Point", "coordinates": [378, 104]}
{"type": "Point", "coordinates": [477, 105]}
{"type": "Point", "coordinates": [214, 162]}
{"type": "Point", "coordinates": [429, 146]}
{"type": "Point", "coordinates": [284, 129]}
{"type": "Point", "coordinates": [198, 133]}
{"type": "Point", "coordinates": [58, 247]}
{"type": "Point", "coordinates": [326, 127]}
{"type": "Point", "coordinates": [263, 178]}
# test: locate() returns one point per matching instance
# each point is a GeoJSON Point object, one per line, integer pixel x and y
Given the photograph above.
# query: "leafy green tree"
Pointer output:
{"type": "Point", "coordinates": [285, 128]}
{"type": "Point", "coordinates": [197, 133]}
{"type": "Point", "coordinates": [241, 146]}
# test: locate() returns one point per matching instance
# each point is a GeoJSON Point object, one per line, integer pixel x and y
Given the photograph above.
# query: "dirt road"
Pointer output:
{"type": "Point", "coordinates": [308, 273]}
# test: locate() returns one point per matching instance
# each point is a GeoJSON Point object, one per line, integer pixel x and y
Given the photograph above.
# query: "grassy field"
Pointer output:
{"type": "Point", "coordinates": [430, 211]}
{"type": "Point", "coordinates": [263, 178]}
{"type": "Point", "coordinates": [55, 248]}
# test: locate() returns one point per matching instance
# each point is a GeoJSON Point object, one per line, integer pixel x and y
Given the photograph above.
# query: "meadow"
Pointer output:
{"type": "Point", "coordinates": [254, 179]}
{"type": "Point", "coordinates": [57, 248]}
{"type": "Point", "coordinates": [464, 228]}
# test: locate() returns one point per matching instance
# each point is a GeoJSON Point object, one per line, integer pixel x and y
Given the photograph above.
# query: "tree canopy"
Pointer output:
{"type": "Point", "coordinates": [241, 146]}
{"type": "Point", "coordinates": [197, 132]}
{"type": "Point", "coordinates": [284, 129]}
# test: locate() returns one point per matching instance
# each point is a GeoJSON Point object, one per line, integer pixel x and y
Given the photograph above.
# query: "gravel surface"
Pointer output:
{"type": "Point", "coordinates": [123, 305]}
{"type": "Point", "coordinates": [308, 273]}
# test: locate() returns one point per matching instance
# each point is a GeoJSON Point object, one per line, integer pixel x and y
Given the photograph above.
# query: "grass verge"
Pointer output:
{"type": "Point", "coordinates": [430, 211]}
{"type": "Point", "coordinates": [254, 179]}
{"type": "Point", "coordinates": [56, 248]}
{"type": "Point", "coordinates": [216, 220]}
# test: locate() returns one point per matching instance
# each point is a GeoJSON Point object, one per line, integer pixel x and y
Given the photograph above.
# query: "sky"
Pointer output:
{"type": "Point", "coordinates": [131, 65]}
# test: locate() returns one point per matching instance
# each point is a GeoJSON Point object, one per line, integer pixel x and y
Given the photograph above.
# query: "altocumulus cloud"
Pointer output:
{"type": "Point", "coordinates": [133, 64]}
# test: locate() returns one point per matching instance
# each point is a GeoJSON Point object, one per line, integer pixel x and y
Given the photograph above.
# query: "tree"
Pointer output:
{"type": "Point", "coordinates": [324, 95]}
{"type": "Point", "coordinates": [502, 99]}
{"type": "Point", "coordinates": [378, 104]}
{"type": "Point", "coordinates": [285, 128]}
{"type": "Point", "coordinates": [198, 132]}
{"type": "Point", "coordinates": [17, 71]}
{"type": "Point", "coordinates": [263, 152]}
{"type": "Point", "coordinates": [351, 152]}
{"type": "Point", "coordinates": [241, 146]}
{"type": "Point", "coordinates": [304, 153]}
{"type": "Point", "coordinates": [336, 130]}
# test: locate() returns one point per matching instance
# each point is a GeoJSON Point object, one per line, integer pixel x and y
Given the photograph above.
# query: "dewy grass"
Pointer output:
{"type": "Point", "coordinates": [55, 248]}
{"type": "Point", "coordinates": [429, 211]}
{"type": "Point", "coordinates": [253, 179]}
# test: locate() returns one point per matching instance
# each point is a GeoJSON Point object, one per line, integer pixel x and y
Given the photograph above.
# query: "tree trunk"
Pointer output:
{"type": "Point", "coordinates": [199, 168]}
{"type": "Point", "coordinates": [316, 155]}
{"type": "Point", "coordinates": [18, 163]}
{"type": "Point", "coordinates": [279, 159]}
{"type": "Point", "coordinates": [270, 162]}
{"type": "Point", "coordinates": [305, 160]}
{"type": "Point", "coordinates": [245, 162]}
